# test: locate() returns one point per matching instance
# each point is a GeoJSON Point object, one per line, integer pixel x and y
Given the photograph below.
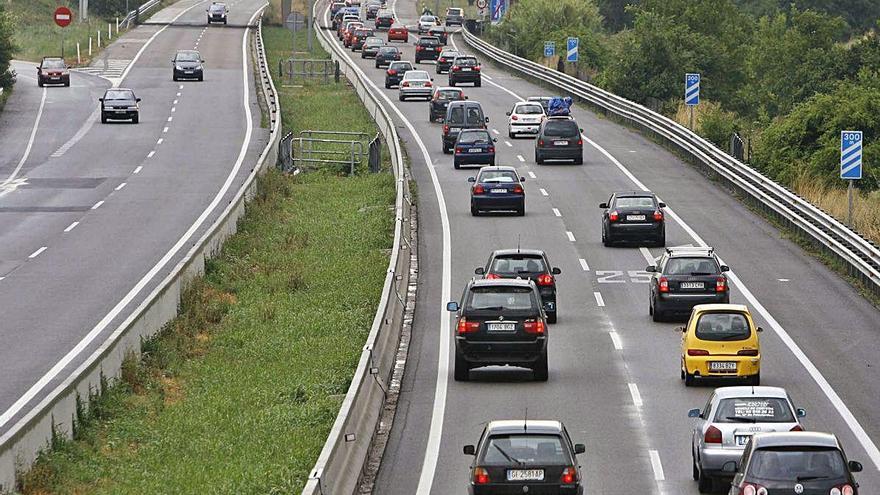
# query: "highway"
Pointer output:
{"type": "Point", "coordinates": [614, 374]}
{"type": "Point", "coordinates": [93, 216]}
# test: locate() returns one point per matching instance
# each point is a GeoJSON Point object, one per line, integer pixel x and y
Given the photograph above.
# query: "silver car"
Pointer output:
{"type": "Point", "coordinates": [727, 422]}
{"type": "Point", "coordinates": [416, 83]}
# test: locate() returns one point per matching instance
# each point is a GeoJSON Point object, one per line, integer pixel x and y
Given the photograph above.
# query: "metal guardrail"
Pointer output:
{"type": "Point", "coordinates": [55, 413]}
{"type": "Point", "coordinates": [862, 256]}
{"type": "Point", "coordinates": [135, 14]}
{"type": "Point", "coordinates": [340, 463]}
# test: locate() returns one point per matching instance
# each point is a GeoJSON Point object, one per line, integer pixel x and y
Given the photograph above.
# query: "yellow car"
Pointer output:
{"type": "Point", "coordinates": [720, 341]}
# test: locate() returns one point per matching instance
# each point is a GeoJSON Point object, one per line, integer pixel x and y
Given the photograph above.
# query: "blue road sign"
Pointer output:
{"type": "Point", "coordinates": [549, 48]}
{"type": "Point", "coordinates": [571, 53]}
{"type": "Point", "coordinates": [497, 8]}
{"type": "Point", "coordinates": [851, 155]}
{"type": "Point", "coordinates": [692, 89]}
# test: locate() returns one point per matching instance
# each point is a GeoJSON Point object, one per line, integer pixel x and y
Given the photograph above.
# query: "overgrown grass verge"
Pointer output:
{"type": "Point", "coordinates": [238, 394]}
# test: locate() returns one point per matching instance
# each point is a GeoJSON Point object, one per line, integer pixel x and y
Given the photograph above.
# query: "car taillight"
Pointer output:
{"type": "Point", "coordinates": [540, 142]}
{"type": "Point", "coordinates": [580, 142]}
{"type": "Point", "coordinates": [459, 151]}
{"type": "Point", "coordinates": [391, 72]}
{"type": "Point", "coordinates": [477, 68]}
{"type": "Point", "coordinates": [720, 284]}
{"type": "Point", "coordinates": [428, 84]}
{"type": "Point", "coordinates": [569, 476]}
{"type": "Point", "coordinates": [842, 490]}
{"type": "Point", "coordinates": [658, 216]}
{"type": "Point", "coordinates": [534, 326]}
{"type": "Point", "coordinates": [419, 48]}
{"type": "Point", "coordinates": [698, 352]}
{"type": "Point", "coordinates": [747, 352]}
{"type": "Point", "coordinates": [491, 149]}
{"type": "Point", "coordinates": [479, 189]}
{"type": "Point", "coordinates": [613, 215]}
{"type": "Point", "coordinates": [493, 276]}
{"type": "Point", "coordinates": [481, 476]}
{"type": "Point", "coordinates": [465, 326]}
{"type": "Point", "coordinates": [713, 435]}
{"type": "Point", "coordinates": [514, 117]}
{"type": "Point", "coordinates": [518, 189]}
{"type": "Point", "coordinates": [445, 129]}
{"type": "Point", "coordinates": [664, 284]}
{"type": "Point", "coordinates": [405, 84]}
{"type": "Point", "coordinates": [456, 68]}
{"type": "Point", "coordinates": [545, 279]}
{"type": "Point", "coordinates": [797, 428]}
{"type": "Point", "coordinates": [441, 59]}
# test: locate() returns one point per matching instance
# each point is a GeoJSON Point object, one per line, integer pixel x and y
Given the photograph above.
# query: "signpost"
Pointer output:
{"type": "Point", "coordinates": [549, 48]}
{"type": "Point", "coordinates": [571, 53]}
{"type": "Point", "coordinates": [497, 8]}
{"type": "Point", "coordinates": [850, 165]}
{"type": "Point", "coordinates": [691, 94]}
{"type": "Point", "coordinates": [62, 16]}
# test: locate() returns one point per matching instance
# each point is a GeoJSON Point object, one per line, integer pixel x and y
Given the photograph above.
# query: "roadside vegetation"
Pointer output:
{"type": "Point", "coordinates": [786, 76]}
{"type": "Point", "coordinates": [6, 49]}
{"type": "Point", "coordinates": [238, 394]}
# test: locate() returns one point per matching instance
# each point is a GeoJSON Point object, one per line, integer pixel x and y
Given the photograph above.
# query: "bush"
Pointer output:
{"type": "Point", "coordinates": [6, 48]}
{"type": "Point", "coordinates": [717, 125]}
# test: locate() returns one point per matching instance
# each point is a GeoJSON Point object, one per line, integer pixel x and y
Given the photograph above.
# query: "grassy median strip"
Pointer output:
{"type": "Point", "coordinates": [238, 394]}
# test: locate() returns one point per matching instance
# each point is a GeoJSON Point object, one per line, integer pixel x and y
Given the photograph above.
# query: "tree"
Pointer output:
{"type": "Point", "coordinates": [6, 48]}
{"type": "Point", "coordinates": [615, 14]}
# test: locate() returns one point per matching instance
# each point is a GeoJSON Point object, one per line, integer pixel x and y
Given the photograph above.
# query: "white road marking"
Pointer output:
{"type": "Point", "coordinates": [615, 339]}
{"type": "Point", "coordinates": [544, 192]}
{"type": "Point", "coordinates": [509, 145]}
{"type": "Point", "coordinates": [636, 396]}
{"type": "Point", "coordinates": [599, 300]}
{"type": "Point", "coordinates": [178, 94]}
{"type": "Point", "coordinates": [495, 131]}
{"type": "Point", "coordinates": [160, 141]}
{"type": "Point", "coordinates": [170, 119]}
{"type": "Point", "coordinates": [97, 205]}
{"type": "Point", "coordinates": [30, 143]}
{"type": "Point", "coordinates": [120, 186]}
{"type": "Point", "coordinates": [532, 175]}
{"type": "Point", "coordinates": [783, 280]}
{"type": "Point", "coordinates": [37, 252]}
{"type": "Point", "coordinates": [647, 255]}
{"type": "Point", "coordinates": [181, 87]}
{"type": "Point", "coordinates": [656, 465]}
{"type": "Point", "coordinates": [569, 235]}
{"type": "Point", "coordinates": [1, 278]}
{"type": "Point", "coordinates": [71, 226]}
{"type": "Point", "coordinates": [138, 169]}
{"type": "Point", "coordinates": [150, 154]}
{"type": "Point", "coordinates": [173, 109]}
{"type": "Point", "coordinates": [584, 266]}
{"type": "Point", "coordinates": [165, 130]}
{"type": "Point", "coordinates": [81, 133]}
{"type": "Point", "coordinates": [520, 158]}
{"type": "Point", "coordinates": [484, 74]}
{"type": "Point", "coordinates": [556, 212]}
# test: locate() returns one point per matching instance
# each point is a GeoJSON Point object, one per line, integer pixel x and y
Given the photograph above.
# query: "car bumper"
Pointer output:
{"type": "Point", "coordinates": [120, 114]}
{"type": "Point", "coordinates": [713, 459]}
{"type": "Point", "coordinates": [464, 77]}
{"type": "Point", "coordinates": [398, 37]}
{"type": "Point", "coordinates": [56, 79]}
{"type": "Point", "coordinates": [635, 230]}
{"type": "Point", "coordinates": [443, 67]}
{"type": "Point", "coordinates": [415, 92]}
{"type": "Point", "coordinates": [216, 18]}
{"type": "Point", "coordinates": [531, 490]}
{"type": "Point", "coordinates": [194, 73]}
{"type": "Point", "coordinates": [488, 353]}
{"type": "Point", "coordinates": [560, 153]}
{"type": "Point", "coordinates": [498, 202]}
{"type": "Point", "coordinates": [427, 55]}
{"type": "Point", "coordinates": [392, 81]}
{"type": "Point", "coordinates": [684, 303]}
{"type": "Point", "coordinates": [370, 53]}
{"type": "Point", "coordinates": [474, 158]}
{"type": "Point", "coordinates": [385, 61]}
{"type": "Point", "coordinates": [524, 128]}
{"type": "Point", "coordinates": [745, 366]}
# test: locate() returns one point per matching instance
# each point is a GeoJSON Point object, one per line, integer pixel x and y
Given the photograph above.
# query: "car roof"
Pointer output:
{"type": "Point", "coordinates": [52, 58]}
{"type": "Point", "coordinates": [748, 391]}
{"type": "Point", "coordinates": [795, 439]}
{"type": "Point", "coordinates": [634, 194]}
{"type": "Point", "coordinates": [505, 252]}
{"type": "Point", "coordinates": [465, 103]}
{"type": "Point", "coordinates": [739, 308]}
{"type": "Point", "coordinates": [498, 168]}
{"type": "Point", "coordinates": [513, 426]}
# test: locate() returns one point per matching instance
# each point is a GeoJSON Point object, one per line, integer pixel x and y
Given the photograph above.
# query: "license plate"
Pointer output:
{"type": "Point", "coordinates": [635, 218]}
{"type": "Point", "coordinates": [454, 129]}
{"type": "Point", "coordinates": [429, 49]}
{"type": "Point", "coordinates": [525, 475]}
{"type": "Point", "coordinates": [692, 285]}
{"type": "Point", "coordinates": [475, 150]}
{"type": "Point", "coordinates": [465, 69]}
{"type": "Point", "coordinates": [187, 72]}
{"type": "Point", "coordinates": [120, 111]}
{"type": "Point", "coordinates": [742, 439]}
{"type": "Point", "coordinates": [722, 366]}
{"type": "Point", "coordinates": [561, 143]}
{"type": "Point", "coordinates": [498, 190]}
{"type": "Point", "coordinates": [502, 327]}
{"type": "Point", "coordinates": [417, 84]}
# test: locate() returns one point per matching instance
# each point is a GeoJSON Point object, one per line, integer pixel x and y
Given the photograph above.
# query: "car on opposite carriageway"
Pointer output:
{"type": "Point", "coordinates": [53, 70]}
{"type": "Point", "coordinates": [635, 216]}
{"type": "Point", "coordinates": [531, 264]}
{"type": "Point", "coordinates": [187, 64]}
{"type": "Point", "coordinates": [217, 12]}
{"type": "Point", "coordinates": [120, 104]}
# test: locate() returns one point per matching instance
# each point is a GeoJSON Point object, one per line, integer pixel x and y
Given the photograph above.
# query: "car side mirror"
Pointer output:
{"type": "Point", "coordinates": [694, 413]}
{"type": "Point", "coordinates": [801, 412]}
{"type": "Point", "coordinates": [725, 268]}
{"type": "Point", "coordinates": [604, 206]}
{"type": "Point", "coordinates": [855, 466]}
{"type": "Point", "coordinates": [201, 61]}
{"type": "Point", "coordinates": [466, 97]}
{"type": "Point", "coordinates": [479, 270]}
{"type": "Point", "coordinates": [555, 271]}
{"type": "Point", "coordinates": [579, 448]}
{"type": "Point", "coordinates": [729, 467]}
{"type": "Point", "coordinates": [472, 179]}
{"type": "Point", "coordinates": [581, 129]}
{"type": "Point", "coordinates": [651, 269]}
{"type": "Point", "coordinates": [760, 329]}
{"type": "Point", "coordinates": [101, 99]}
{"type": "Point", "coordinates": [138, 100]}
{"type": "Point", "coordinates": [508, 114]}
{"type": "Point", "coordinates": [469, 450]}
{"type": "Point", "coordinates": [452, 306]}
{"type": "Point", "coordinates": [487, 120]}
{"type": "Point", "coordinates": [522, 179]}
{"type": "Point", "coordinates": [661, 205]}
{"type": "Point", "coordinates": [494, 140]}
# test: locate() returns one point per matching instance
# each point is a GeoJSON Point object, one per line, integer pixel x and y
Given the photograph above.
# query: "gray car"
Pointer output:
{"type": "Point", "coordinates": [416, 84]}
{"type": "Point", "coordinates": [731, 416]}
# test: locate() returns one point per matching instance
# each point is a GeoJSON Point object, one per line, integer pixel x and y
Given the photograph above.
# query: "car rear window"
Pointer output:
{"type": "Point", "coordinates": [565, 128]}
{"type": "Point", "coordinates": [723, 326]}
{"type": "Point", "coordinates": [530, 109]}
{"type": "Point", "coordinates": [500, 298]}
{"type": "Point", "coordinates": [470, 115]}
{"type": "Point", "coordinates": [426, 18]}
{"type": "Point", "coordinates": [418, 75]}
{"type": "Point", "coordinates": [796, 463]}
{"type": "Point", "coordinates": [518, 265]}
{"type": "Point", "coordinates": [450, 94]}
{"type": "Point", "coordinates": [525, 450]}
{"type": "Point", "coordinates": [426, 41]}
{"type": "Point", "coordinates": [448, 53]}
{"type": "Point", "coordinates": [466, 61]}
{"type": "Point", "coordinates": [388, 49]}
{"type": "Point", "coordinates": [468, 137]}
{"type": "Point", "coordinates": [634, 202]}
{"type": "Point", "coordinates": [754, 409]}
{"type": "Point", "coordinates": [498, 176]}
{"type": "Point", "coordinates": [691, 266]}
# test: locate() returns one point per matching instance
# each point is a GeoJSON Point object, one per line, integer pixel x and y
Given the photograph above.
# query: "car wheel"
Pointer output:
{"type": "Point", "coordinates": [456, 165]}
{"type": "Point", "coordinates": [201, 78]}
{"type": "Point", "coordinates": [606, 241]}
{"type": "Point", "coordinates": [695, 472]}
{"type": "Point", "coordinates": [387, 86]}
{"type": "Point", "coordinates": [521, 211]}
{"type": "Point", "coordinates": [462, 370]}
{"type": "Point", "coordinates": [400, 97]}
{"type": "Point", "coordinates": [135, 119]}
{"type": "Point", "coordinates": [661, 241]}
{"type": "Point", "coordinates": [688, 379]}
{"type": "Point", "coordinates": [452, 83]}
{"type": "Point", "coordinates": [39, 82]}
{"type": "Point", "coordinates": [579, 161]}
{"type": "Point", "coordinates": [103, 118]}
{"type": "Point", "coordinates": [474, 211]}
{"type": "Point", "coordinates": [705, 484]}
{"type": "Point", "coordinates": [540, 372]}
{"type": "Point", "coordinates": [67, 84]}
{"type": "Point", "coordinates": [656, 314]}
{"type": "Point", "coordinates": [551, 317]}
{"type": "Point", "coordinates": [224, 22]}
{"type": "Point", "coordinates": [510, 134]}
{"type": "Point", "coordinates": [478, 84]}
{"type": "Point", "coordinates": [538, 159]}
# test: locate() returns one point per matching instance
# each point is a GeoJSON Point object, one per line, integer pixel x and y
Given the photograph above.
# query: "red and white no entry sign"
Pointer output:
{"type": "Point", "coordinates": [63, 16]}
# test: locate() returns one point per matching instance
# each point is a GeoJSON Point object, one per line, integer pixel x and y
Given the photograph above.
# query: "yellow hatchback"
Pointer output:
{"type": "Point", "coordinates": [720, 341]}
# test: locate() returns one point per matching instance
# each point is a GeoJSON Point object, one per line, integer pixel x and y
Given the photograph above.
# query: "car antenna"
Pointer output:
{"type": "Point", "coordinates": [517, 243]}
{"type": "Point", "coordinates": [526, 421]}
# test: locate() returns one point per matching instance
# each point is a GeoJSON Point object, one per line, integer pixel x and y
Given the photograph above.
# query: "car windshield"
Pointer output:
{"type": "Point", "coordinates": [118, 94]}
{"type": "Point", "coordinates": [426, 41]}
{"type": "Point", "coordinates": [386, 50]}
{"type": "Point", "coordinates": [453, 12]}
{"type": "Point", "coordinates": [418, 75]}
{"type": "Point", "coordinates": [754, 410]}
{"type": "Point", "coordinates": [525, 450]}
{"type": "Point", "coordinates": [723, 326]}
{"type": "Point", "coordinates": [564, 128]}
{"type": "Point", "coordinates": [470, 137]}
{"type": "Point", "coordinates": [471, 115]}
{"type": "Point", "coordinates": [217, 8]}
{"type": "Point", "coordinates": [375, 41]}
{"type": "Point", "coordinates": [529, 109]}
{"type": "Point", "coordinates": [449, 94]}
{"type": "Point", "coordinates": [401, 66]}
{"type": "Point", "coordinates": [426, 18]}
{"type": "Point", "coordinates": [501, 298]}
{"type": "Point", "coordinates": [498, 176]}
{"type": "Point", "coordinates": [800, 464]}
{"type": "Point", "coordinates": [362, 33]}
{"type": "Point", "coordinates": [691, 266]}
{"type": "Point", "coordinates": [634, 202]}
{"type": "Point", "coordinates": [188, 57]}
{"type": "Point", "coordinates": [518, 264]}
{"type": "Point", "coordinates": [466, 61]}
{"type": "Point", "coordinates": [53, 64]}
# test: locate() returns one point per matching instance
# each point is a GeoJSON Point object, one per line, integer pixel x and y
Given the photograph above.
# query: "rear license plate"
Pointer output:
{"type": "Point", "coordinates": [692, 285]}
{"type": "Point", "coordinates": [120, 111]}
{"type": "Point", "coordinates": [187, 72]}
{"type": "Point", "coordinates": [560, 143]}
{"type": "Point", "coordinates": [502, 327]}
{"type": "Point", "coordinates": [742, 439]}
{"type": "Point", "coordinates": [496, 191]}
{"type": "Point", "coordinates": [525, 475]}
{"type": "Point", "coordinates": [429, 49]}
{"type": "Point", "coordinates": [475, 150]}
{"type": "Point", "coordinates": [454, 129]}
{"type": "Point", "coordinates": [417, 84]}
{"type": "Point", "coordinates": [722, 366]}
{"type": "Point", "coordinates": [465, 69]}
{"type": "Point", "coordinates": [635, 218]}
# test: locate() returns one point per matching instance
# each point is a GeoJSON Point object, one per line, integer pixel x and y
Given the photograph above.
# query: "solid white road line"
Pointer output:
{"type": "Point", "coordinates": [615, 339]}
{"type": "Point", "coordinates": [599, 300]}
{"type": "Point", "coordinates": [532, 175]}
{"type": "Point", "coordinates": [557, 212]}
{"type": "Point", "coordinates": [569, 235]}
{"type": "Point", "coordinates": [636, 396]}
{"type": "Point", "coordinates": [30, 143]}
{"type": "Point", "coordinates": [71, 226]}
{"type": "Point", "coordinates": [138, 169]}
{"type": "Point", "coordinates": [584, 264]}
{"type": "Point", "coordinates": [97, 205]}
{"type": "Point", "coordinates": [656, 465]}
{"type": "Point", "coordinates": [647, 255]}
{"type": "Point", "coordinates": [37, 252]}
{"type": "Point", "coordinates": [120, 186]}
{"type": "Point", "coordinates": [150, 154]}
{"type": "Point", "coordinates": [544, 192]}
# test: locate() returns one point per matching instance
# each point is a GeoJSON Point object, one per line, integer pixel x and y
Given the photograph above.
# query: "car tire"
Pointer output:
{"type": "Point", "coordinates": [103, 118]}
{"type": "Point", "coordinates": [510, 134]}
{"type": "Point", "coordinates": [656, 314]}
{"type": "Point", "coordinates": [135, 119]}
{"type": "Point", "coordinates": [538, 159]}
{"type": "Point", "coordinates": [688, 379]}
{"type": "Point", "coordinates": [456, 165]}
{"type": "Point", "coordinates": [474, 211]}
{"type": "Point", "coordinates": [695, 471]}
{"type": "Point", "coordinates": [521, 211]}
{"type": "Point", "coordinates": [551, 317]}
{"type": "Point", "coordinates": [39, 82]}
{"type": "Point", "coordinates": [174, 78]}
{"type": "Point", "coordinates": [387, 86]}
{"type": "Point", "coordinates": [540, 371]}
{"type": "Point", "coordinates": [452, 83]}
{"type": "Point", "coordinates": [606, 241]}
{"type": "Point", "coordinates": [705, 484]}
{"type": "Point", "coordinates": [478, 84]}
{"type": "Point", "coordinates": [461, 370]}
{"type": "Point", "coordinates": [400, 97]}
{"type": "Point", "coordinates": [579, 161]}
{"type": "Point", "coordinates": [661, 241]}
{"type": "Point", "coordinates": [67, 83]}
{"type": "Point", "coordinates": [224, 22]}
{"type": "Point", "coordinates": [201, 78]}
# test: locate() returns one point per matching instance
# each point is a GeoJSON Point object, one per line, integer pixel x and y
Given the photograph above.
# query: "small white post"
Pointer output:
{"type": "Point", "coordinates": [90, 47]}
{"type": "Point", "coordinates": [78, 58]}
{"type": "Point", "coordinates": [109, 31]}
{"type": "Point", "coordinates": [99, 38]}
{"type": "Point", "coordinates": [117, 25]}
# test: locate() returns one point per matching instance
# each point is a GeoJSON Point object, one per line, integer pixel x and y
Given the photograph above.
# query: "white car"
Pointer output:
{"type": "Point", "coordinates": [416, 83]}
{"type": "Point", "coordinates": [525, 118]}
{"type": "Point", "coordinates": [426, 22]}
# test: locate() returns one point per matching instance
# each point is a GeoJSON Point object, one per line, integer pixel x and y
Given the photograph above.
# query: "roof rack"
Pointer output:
{"type": "Point", "coordinates": [693, 249]}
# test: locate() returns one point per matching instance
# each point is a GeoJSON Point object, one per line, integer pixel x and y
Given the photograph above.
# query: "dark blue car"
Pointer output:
{"type": "Point", "coordinates": [474, 147]}
{"type": "Point", "coordinates": [497, 189]}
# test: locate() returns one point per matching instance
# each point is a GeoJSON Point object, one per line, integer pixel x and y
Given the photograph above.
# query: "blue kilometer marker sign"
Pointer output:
{"type": "Point", "coordinates": [692, 89]}
{"type": "Point", "coordinates": [572, 50]}
{"type": "Point", "coordinates": [851, 155]}
{"type": "Point", "coordinates": [549, 48]}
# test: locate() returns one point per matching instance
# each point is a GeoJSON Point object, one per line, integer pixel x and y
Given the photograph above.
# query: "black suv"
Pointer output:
{"type": "Point", "coordinates": [187, 64]}
{"type": "Point", "coordinates": [427, 48]}
{"type": "Point", "coordinates": [530, 264]}
{"type": "Point", "coordinates": [217, 12]}
{"type": "Point", "coordinates": [559, 139]}
{"type": "Point", "coordinates": [461, 115]}
{"type": "Point", "coordinates": [395, 72]}
{"type": "Point", "coordinates": [685, 277]}
{"type": "Point", "coordinates": [440, 100]}
{"type": "Point", "coordinates": [444, 61]}
{"type": "Point", "coordinates": [384, 20]}
{"type": "Point", "coordinates": [465, 69]}
{"type": "Point", "coordinates": [500, 322]}
{"type": "Point", "coordinates": [633, 216]}
{"type": "Point", "coordinates": [525, 456]}
{"type": "Point", "coordinates": [53, 70]}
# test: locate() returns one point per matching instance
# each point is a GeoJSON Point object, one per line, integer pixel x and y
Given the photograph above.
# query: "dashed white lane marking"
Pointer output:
{"type": "Point", "coordinates": [180, 87]}
{"type": "Point", "coordinates": [175, 101]}
{"type": "Point", "coordinates": [556, 212]}
{"type": "Point", "coordinates": [636, 396]}
{"type": "Point", "coordinates": [508, 143]}
{"type": "Point", "coordinates": [520, 158]}
{"type": "Point", "coordinates": [584, 266]}
{"type": "Point", "coordinates": [170, 119]}
{"type": "Point", "coordinates": [495, 131]}
{"type": "Point", "coordinates": [38, 252]}
{"type": "Point", "coordinates": [569, 235]}
{"type": "Point", "coordinates": [120, 186]}
{"type": "Point", "coordinates": [783, 280]}
{"type": "Point", "coordinates": [1, 278]}
{"type": "Point", "coordinates": [656, 465]}
{"type": "Point", "coordinates": [150, 154]}
{"type": "Point", "coordinates": [532, 175]}
{"type": "Point", "coordinates": [599, 300]}
{"type": "Point", "coordinates": [71, 226]}
{"type": "Point", "coordinates": [544, 192]}
{"type": "Point", "coordinates": [647, 255]}
{"type": "Point", "coordinates": [138, 169]}
{"type": "Point", "coordinates": [178, 94]}
{"type": "Point", "coordinates": [160, 141]}
{"type": "Point", "coordinates": [165, 130]}
{"type": "Point", "coordinates": [173, 109]}
{"type": "Point", "coordinates": [615, 339]}
{"type": "Point", "coordinates": [97, 205]}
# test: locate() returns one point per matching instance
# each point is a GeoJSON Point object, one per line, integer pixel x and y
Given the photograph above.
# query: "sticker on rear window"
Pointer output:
{"type": "Point", "coordinates": [754, 409]}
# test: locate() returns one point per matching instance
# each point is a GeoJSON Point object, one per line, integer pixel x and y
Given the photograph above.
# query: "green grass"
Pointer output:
{"type": "Point", "coordinates": [238, 394]}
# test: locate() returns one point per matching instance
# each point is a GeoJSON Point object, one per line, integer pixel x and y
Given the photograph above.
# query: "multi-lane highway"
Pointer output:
{"type": "Point", "coordinates": [92, 216]}
{"type": "Point", "coordinates": [614, 374]}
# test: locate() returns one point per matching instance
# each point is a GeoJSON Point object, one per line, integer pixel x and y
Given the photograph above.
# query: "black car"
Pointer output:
{"type": "Point", "coordinates": [497, 189]}
{"type": "Point", "coordinates": [461, 115]}
{"type": "Point", "coordinates": [441, 34]}
{"type": "Point", "coordinates": [371, 47]}
{"type": "Point", "coordinates": [427, 48]}
{"type": "Point", "coordinates": [531, 264]}
{"type": "Point", "coordinates": [799, 462]}
{"type": "Point", "coordinates": [217, 12]}
{"type": "Point", "coordinates": [465, 69]}
{"type": "Point", "coordinates": [384, 20]}
{"type": "Point", "coordinates": [474, 147]}
{"type": "Point", "coordinates": [633, 216]}
{"type": "Point", "coordinates": [444, 61]}
{"type": "Point", "coordinates": [395, 72]}
{"type": "Point", "coordinates": [454, 16]}
{"type": "Point", "coordinates": [386, 55]}
{"type": "Point", "coordinates": [559, 139]}
{"type": "Point", "coordinates": [440, 100]}
{"type": "Point", "coordinates": [53, 70]}
{"type": "Point", "coordinates": [373, 10]}
{"type": "Point", "coordinates": [500, 322]}
{"type": "Point", "coordinates": [119, 104]}
{"type": "Point", "coordinates": [685, 277]}
{"type": "Point", "coordinates": [187, 64]}
{"type": "Point", "coordinates": [358, 37]}
{"type": "Point", "coordinates": [525, 456]}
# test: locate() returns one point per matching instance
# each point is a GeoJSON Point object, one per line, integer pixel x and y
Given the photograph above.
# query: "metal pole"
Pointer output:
{"type": "Point", "coordinates": [691, 116]}
{"type": "Point", "coordinates": [849, 200]}
{"type": "Point", "coordinates": [309, 20]}
{"type": "Point", "coordinates": [78, 58]}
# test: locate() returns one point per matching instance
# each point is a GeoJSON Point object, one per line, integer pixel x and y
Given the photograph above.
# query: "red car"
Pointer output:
{"type": "Point", "coordinates": [53, 70]}
{"type": "Point", "coordinates": [348, 34]}
{"type": "Point", "coordinates": [398, 32]}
